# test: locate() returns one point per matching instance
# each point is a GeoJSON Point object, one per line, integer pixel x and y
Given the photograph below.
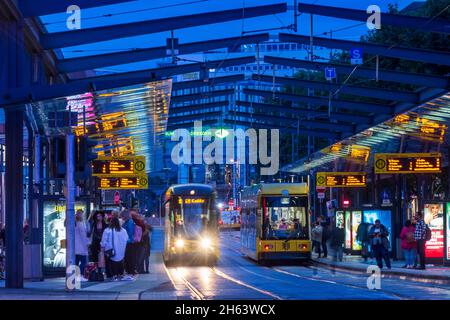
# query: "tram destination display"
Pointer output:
{"type": "Point", "coordinates": [118, 166]}
{"type": "Point", "coordinates": [407, 163]}
{"type": "Point", "coordinates": [341, 179]}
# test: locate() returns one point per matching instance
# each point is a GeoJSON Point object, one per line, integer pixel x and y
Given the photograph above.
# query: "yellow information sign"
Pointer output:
{"type": "Point", "coordinates": [123, 183]}
{"type": "Point", "coordinates": [341, 179]}
{"type": "Point", "coordinates": [118, 166]}
{"type": "Point", "coordinates": [388, 163]}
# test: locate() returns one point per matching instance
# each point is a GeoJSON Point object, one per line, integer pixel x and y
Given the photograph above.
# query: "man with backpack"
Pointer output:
{"type": "Point", "coordinates": [421, 235]}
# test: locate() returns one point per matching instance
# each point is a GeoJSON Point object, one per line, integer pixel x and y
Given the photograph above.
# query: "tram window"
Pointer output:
{"type": "Point", "coordinates": [285, 218]}
{"type": "Point", "coordinates": [193, 217]}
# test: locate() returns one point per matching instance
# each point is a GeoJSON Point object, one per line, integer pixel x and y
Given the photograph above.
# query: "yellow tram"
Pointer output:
{"type": "Point", "coordinates": [191, 224]}
{"type": "Point", "coordinates": [275, 221]}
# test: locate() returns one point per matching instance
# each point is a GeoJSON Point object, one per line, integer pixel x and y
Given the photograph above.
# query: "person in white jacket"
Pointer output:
{"type": "Point", "coordinates": [81, 242]}
{"type": "Point", "coordinates": [115, 237]}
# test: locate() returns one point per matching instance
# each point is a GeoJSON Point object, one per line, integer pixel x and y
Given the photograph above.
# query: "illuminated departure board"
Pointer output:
{"type": "Point", "coordinates": [117, 166]}
{"type": "Point", "coordinates": [407, 163]}
{"type": "Point", "coordinates": [131, 182]}
{"type": "Point", "coordinates": [341, 179]}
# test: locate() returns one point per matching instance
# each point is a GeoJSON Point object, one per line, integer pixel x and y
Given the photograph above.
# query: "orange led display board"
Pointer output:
{"type": "Point", "coordinates": [116, 166]}
{"type": "Point", "coordinates": [129, 182]}
{"type": "Point", "coordinates": [341, 179]}
{"type": "Point", "coordinates": [407, 163]}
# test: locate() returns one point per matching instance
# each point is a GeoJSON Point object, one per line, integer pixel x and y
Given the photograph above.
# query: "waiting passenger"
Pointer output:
{"type": "Point", "coordinates": [114, 242]}
{"type": "Point", "coordinates": [283, 225]}
{"type": "Point", "coordinates": [316, 237]}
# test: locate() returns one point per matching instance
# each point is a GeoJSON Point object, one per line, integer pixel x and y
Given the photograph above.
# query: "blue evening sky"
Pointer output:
{"type": "Point", "coordinates": [90, 18]}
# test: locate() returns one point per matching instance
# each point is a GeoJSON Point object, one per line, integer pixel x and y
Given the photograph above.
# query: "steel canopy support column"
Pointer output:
{"type": "Point", "coordinates": [14, 197]}
{"type": "Point", "coordinates": [70, 208]}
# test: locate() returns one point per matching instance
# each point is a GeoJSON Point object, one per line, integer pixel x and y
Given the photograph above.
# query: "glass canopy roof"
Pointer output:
{"type": "Point", "coordinates": [427, 123]}
{"type": "Point", "coordinates": [124, 121]}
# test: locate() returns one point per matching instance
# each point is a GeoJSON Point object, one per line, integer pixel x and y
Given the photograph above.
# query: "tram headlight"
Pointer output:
{"type": "Point", "coordinates": [179, 243]}
{"type": "Point", "coordinates": [206, 243]}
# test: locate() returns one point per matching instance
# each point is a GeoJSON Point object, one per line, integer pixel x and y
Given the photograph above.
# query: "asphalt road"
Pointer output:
{"type": "Point", "coordinates": [237, 277]}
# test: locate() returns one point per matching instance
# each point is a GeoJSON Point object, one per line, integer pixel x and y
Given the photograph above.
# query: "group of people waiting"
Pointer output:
{"type": "Point", "coordinates": [413, 239]}
{"type": "Point", "coordinates": [374, 241]}
{"type": "Point", "coordinates": [118, 244]}
{"type": "Point", "coordinates": [323, 231]}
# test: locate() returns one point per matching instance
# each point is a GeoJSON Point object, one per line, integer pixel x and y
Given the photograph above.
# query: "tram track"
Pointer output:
{"type": "Point", "coordinates": [197, 294]}
{"type": "Point", "coordinates": [278, 270]}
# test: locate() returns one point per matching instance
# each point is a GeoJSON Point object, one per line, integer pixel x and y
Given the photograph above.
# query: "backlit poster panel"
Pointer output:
{"type": "Point", "coordinates": [55, 233]}
{"type": "Point", "coordinates": [384, 216]}
{"type": "Point", "coordinates": [356, 221]}
{"type": "Point", "coordinates": [447, 250]}
{"type": "Point", "coordinates": [348, 230]}
{"type": "Point", "coordinates": [434, 218]}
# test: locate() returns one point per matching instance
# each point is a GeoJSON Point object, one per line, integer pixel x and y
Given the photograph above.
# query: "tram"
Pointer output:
{"type": "Point", "coordinates": [191, 224]}
{"type": "Point", "coordinates": [275, 222]}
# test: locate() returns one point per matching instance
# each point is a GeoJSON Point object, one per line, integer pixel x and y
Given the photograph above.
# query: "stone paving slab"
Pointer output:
{"type": "Point", "coordinates": [433, 274]}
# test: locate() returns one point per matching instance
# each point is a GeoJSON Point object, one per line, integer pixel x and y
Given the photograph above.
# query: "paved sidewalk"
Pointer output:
{"type": "Point", "coordinates": [155, 286]}
{"type": "Point", "coordinates": [438, 274]}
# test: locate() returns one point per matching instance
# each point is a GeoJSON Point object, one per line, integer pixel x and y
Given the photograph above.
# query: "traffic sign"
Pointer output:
{"type": "Point", "coordinates": [356, 56]}
{"type": "Point", "coordinates": [320, 189]}
{"type": "Point", "coordinates": [118, 166]}
{"type": "Point", "coordinates": [330, 73]}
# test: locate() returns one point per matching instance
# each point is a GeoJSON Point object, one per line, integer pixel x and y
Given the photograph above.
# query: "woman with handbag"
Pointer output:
{"type": "Point", "coordinates": [114, 242]}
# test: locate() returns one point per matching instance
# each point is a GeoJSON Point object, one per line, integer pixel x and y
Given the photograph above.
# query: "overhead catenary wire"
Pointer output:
{"type": "Point", "coordinates": [386, 50]}
{"type": "Point", "coordinates": [109, 15]}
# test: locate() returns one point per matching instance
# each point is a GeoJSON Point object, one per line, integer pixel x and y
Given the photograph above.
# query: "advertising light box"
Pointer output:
{"type": "Point", "coordinates": [447, 245]}
{"type": "Point", "coordinates": [385, 217]}
{"type": "Point", "coordinates": [55, 232]}
{"type": "Point", "coordinates": [356, 221]}
{"type": "Point", "coordinates": [348, 230]}
{"type": "Point", "coordinates": [434, 218]}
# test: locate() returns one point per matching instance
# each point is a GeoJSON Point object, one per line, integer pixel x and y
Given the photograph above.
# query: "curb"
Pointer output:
{"type": "Point", "coordinates": [435, 279]}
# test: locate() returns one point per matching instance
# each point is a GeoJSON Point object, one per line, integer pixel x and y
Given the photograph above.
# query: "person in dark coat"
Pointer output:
{"type": "Point", "coordinates": [97, 225]}
{"type": "Point", "coordinates": [325, 234]}
{"type": "Point", "coordinates": [379, 236]}
{"type": "Point", "coordinates": [362, 235]}
{"type": "Point", "coordinates": [147, 246]}
{"type": "Point", "coordinates": [337, 243]}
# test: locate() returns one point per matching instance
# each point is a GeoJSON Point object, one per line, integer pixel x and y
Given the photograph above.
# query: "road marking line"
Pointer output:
{"type": "Point", "coordinates": [225, 276]}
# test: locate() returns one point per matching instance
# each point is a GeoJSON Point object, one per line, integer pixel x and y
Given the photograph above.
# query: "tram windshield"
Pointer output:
{"type": "Point", "coordinates": [191, 217]}
{"type": "Point", "coordinates": [285, 218]}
